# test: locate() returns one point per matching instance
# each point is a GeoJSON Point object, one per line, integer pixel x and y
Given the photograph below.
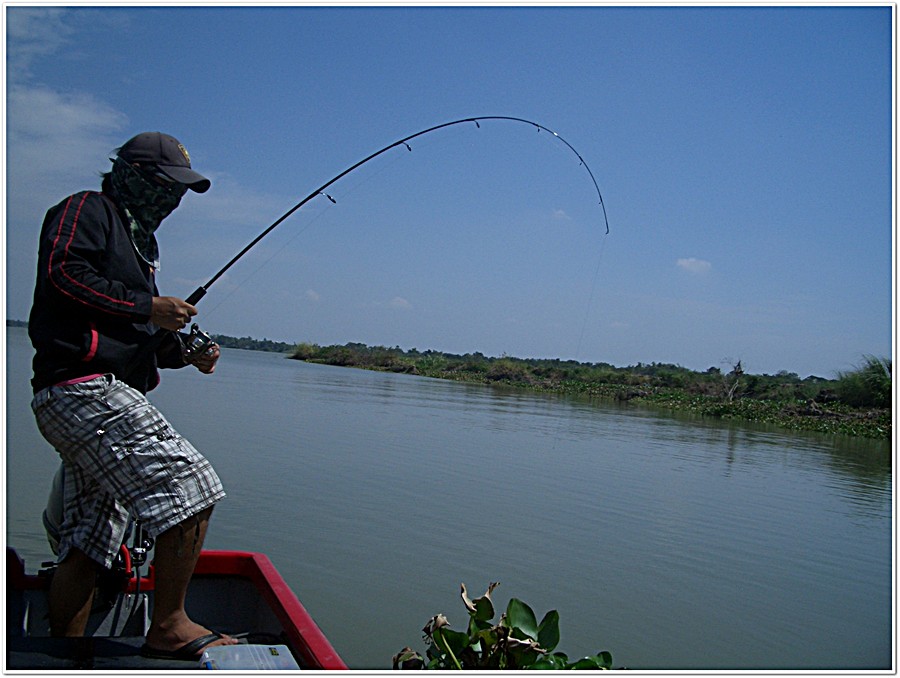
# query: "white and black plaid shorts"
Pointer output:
{"type": "Point", "coordinates": [123, 460]}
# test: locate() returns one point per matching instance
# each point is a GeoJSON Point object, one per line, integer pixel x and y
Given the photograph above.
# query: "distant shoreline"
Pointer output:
{"type": "Point", "coordinates": [783, 400]}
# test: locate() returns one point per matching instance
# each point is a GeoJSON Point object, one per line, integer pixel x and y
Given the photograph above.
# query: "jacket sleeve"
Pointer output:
{"type": "Point", "coordinates": [169, 355]}
{"type": "Point", "coordinates": [75, 238]}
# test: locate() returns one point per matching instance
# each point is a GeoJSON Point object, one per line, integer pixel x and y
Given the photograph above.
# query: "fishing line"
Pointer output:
{"type": "Point", "coordinates": [349, 190]}
{"type": "Point", "coordinates": [592, 294]}
{"type": "Point", "coordinates": [590, 303]}
{"type": "Point", "coordinates": [570, 416]}
{"type": "Point", "coordinates": [330, 204]}
{"type": "Point", "coordinates": [266, 262]}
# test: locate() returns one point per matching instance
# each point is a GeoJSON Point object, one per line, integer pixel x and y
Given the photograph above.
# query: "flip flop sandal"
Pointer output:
{"type": "Point", "coordinates": [190, 651]}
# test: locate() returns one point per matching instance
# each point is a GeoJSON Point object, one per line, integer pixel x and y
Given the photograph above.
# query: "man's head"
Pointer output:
{"type": "Point", "coordinates": [150, 174]}
{"type": "Point", "coordinates": [164, 157]}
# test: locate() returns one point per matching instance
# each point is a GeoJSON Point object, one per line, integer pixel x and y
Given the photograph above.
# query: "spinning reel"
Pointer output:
{"type": "Point", "coordinates": [196, 344]}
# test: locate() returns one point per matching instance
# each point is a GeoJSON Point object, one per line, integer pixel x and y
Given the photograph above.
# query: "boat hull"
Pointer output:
{"type": "Point", "coordinates": [235, 592]}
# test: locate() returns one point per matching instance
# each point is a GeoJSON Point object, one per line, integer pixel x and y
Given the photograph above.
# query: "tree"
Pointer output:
{"type": "Point", "coordinates": [732, 380]}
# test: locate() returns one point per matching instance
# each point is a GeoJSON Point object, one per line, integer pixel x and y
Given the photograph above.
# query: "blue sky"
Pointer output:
{"type": "Point", "coordinates": [744, 154]}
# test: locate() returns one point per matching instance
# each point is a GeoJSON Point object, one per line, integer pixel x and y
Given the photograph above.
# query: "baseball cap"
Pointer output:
{"type": "Point", "coordinates": [167, 155]}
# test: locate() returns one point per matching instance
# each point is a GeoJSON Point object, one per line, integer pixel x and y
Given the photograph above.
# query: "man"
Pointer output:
{"type": "Point", "coordinates": [95, 307]}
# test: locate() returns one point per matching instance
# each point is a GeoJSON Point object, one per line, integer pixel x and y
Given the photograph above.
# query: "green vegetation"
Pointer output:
{"type": "Point", "coordinates": [867, 386]}
{"type": "Point", "coordinates": [857, 403]}
{"type": "Point", "coordinates": [515, 642]}
{"type": "Point", "coordinates": [250, 344]}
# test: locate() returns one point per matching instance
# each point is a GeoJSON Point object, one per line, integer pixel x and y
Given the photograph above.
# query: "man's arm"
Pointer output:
{"type": "Point", "coordinates": [75, 241]}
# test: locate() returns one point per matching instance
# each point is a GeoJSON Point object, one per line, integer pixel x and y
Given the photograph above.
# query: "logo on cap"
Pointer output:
{"type": "Point", "coordinates": [184, 153]}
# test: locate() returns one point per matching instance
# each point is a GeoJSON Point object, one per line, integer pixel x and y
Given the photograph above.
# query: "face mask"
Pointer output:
{"type": "Point", "coordinates": [147, 203]}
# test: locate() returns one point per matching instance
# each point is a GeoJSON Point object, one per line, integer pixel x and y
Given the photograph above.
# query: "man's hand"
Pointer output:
{"type": "Point", "coordinates": [206, 361]}
{"type": "Point", "coordinates": [171, 313]}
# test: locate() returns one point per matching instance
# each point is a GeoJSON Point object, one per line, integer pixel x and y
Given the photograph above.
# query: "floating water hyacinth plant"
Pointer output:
{"type": "Point", "coordinates": [517, 641]}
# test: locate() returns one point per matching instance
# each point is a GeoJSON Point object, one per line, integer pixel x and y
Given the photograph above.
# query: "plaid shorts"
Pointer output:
{"type": "Point", "coordinates": [123, 460]}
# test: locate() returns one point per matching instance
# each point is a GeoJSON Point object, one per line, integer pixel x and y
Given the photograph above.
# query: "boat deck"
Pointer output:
{"type": "Point", "coordinates": [91, 653]}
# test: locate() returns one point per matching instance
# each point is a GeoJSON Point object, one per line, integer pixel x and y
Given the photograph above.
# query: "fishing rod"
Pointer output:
{"type": "Point", "coordinates": [200, 292]}
{"type": "Point", "coordinates": [199, 341]}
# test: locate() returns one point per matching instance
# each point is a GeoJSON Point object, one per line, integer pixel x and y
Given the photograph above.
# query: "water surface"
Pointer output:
{"type": "Point", "coordinates": [673, 542]}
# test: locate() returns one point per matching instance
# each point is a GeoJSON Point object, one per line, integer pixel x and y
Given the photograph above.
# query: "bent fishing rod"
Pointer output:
{"type": "Point", "coordinates": [199, 341]}
{"type": "Point", "coordinates": [200, 292]}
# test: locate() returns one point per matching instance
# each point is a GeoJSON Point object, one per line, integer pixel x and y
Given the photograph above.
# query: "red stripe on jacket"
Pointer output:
{"type": "Point", "coordinates": [95, 339]}
{"type": "Point", "coordinates": [62, 264]}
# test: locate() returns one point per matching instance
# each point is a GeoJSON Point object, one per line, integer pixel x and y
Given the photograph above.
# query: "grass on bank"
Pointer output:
{"type": "Point", "coordinates": [857, 402]}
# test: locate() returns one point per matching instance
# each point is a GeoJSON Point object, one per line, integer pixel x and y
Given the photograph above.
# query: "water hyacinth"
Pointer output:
{"type": "Point", "coordinates": [517, 641]}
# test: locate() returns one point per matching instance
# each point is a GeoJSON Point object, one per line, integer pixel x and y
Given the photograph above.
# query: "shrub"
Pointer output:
{"type": "Point", "coordinates": [508, 370]}
{"type": "Point", "coordinates": [867, 386]}
{"type": "Point", "coordinates": [305, 351]}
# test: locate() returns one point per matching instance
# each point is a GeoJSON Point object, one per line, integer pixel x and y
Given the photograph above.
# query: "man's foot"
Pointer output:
{"type": "Point", "coordinates": [186, 643]}
{"type": "Point", "coordinates": [191, 651]}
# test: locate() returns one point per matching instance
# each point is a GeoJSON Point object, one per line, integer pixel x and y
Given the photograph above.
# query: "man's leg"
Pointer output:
{"type": "Point", "coordinates": [72, 594]}
{"type": "Point", "coordinates": [154, 485]}
{"type": "Point", "coordinates": [177, 551]}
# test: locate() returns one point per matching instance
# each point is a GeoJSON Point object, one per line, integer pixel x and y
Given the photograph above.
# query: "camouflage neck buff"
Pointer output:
{"type": "Point", "coordinates": [146, 205]}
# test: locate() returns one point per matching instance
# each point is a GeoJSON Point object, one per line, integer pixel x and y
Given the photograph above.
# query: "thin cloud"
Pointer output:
{"type": "Point", "coordinates": [59, 142]}
{"type": "Point", "coordinates": [56, 144]}
{"type": "Point", "coordinates": [560, 215]}
{"type": "Point", "coordinates": [35, 33]}
{"type": "Point", "coordinates": [312, 295]}
{"type": "Point", "coordinates": [693, 265]}
{"type": "Point", "coordinates": [397, 303]}
{"type": "Point", "coordinates": [400, 303]}
{"type": "Point", "coordinates": [229, 202]}
{"type": "Point", "coordinates": [53, 136]}
{"type": "Point", "coordinates": [32, 33]}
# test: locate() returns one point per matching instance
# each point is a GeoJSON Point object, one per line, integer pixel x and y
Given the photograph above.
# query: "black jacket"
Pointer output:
{"type": "Point", "coordinates": [92, 299]}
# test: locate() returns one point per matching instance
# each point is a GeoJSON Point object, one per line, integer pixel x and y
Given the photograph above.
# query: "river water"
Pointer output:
{"type": "Point", "coordinates": [672, 542]}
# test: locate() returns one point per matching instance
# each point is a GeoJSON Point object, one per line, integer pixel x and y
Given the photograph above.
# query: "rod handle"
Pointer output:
{"type": "Point", "coordinates": [196, 295]}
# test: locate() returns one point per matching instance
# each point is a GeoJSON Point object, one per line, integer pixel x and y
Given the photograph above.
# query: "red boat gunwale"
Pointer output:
{"type": "Point", "coordinates": [305, 637]}
{"type": "Point", "coordinates": [303, 632]}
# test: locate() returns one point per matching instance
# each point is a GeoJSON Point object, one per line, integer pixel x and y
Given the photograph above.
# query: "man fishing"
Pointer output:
{"type": "Point", "coordinates": [95, 307]}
